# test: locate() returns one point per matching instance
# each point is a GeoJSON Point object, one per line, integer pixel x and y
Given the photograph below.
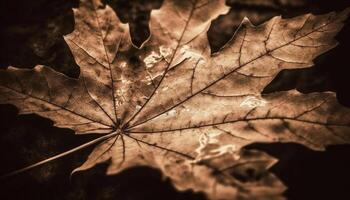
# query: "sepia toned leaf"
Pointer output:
{"type": "Point", "coordinates": [173, 105]}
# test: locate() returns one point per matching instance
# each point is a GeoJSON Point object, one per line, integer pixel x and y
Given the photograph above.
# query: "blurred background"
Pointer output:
{"type": "Point", "coordinates": [31, 33]}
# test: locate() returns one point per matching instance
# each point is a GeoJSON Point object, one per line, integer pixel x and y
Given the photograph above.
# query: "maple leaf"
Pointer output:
{"type": "Point", "coordinates": [172, 105]}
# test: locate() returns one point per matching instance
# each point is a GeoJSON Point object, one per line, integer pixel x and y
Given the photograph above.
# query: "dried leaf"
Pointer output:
{"type": "Point", "coordinates": [174, 106]}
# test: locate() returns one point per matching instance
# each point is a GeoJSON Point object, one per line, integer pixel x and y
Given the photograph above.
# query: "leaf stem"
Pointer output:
{"type": "Point", "coordinates": [83, 146]}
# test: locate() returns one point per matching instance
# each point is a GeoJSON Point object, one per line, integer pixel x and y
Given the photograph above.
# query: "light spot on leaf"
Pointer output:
{"type": "Point", "coordinates": [123, 64]}
{"type": "Point", "coordinates": [138, 107]}
{"type": "Point", "coordinates": [209, 147]}
{"type": "Point", "coordinates": [152, 59]}
{"type": "Point", "coordinates": [165, 88]}
{"type": "Point", "coordinates": [253, 102]}
{"type": "Point", "coordinates": [165, 51]}
{"type": "Point", "coordinates": [172, 112]}
{"type": "Point", "coordinates": [192, 55]}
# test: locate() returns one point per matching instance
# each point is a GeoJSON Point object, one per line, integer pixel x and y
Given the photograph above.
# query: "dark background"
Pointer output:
{"type": "Point", "coordinates": [31, 33]}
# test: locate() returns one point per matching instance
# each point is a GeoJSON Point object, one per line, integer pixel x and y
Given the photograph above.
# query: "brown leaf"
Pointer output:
{"type": "Point", "coordinates": [174, 106]}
